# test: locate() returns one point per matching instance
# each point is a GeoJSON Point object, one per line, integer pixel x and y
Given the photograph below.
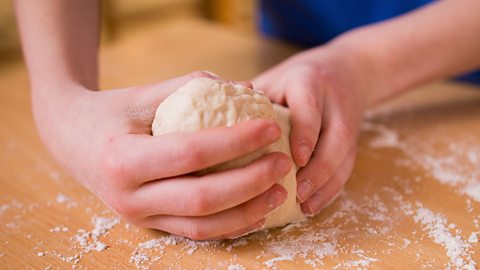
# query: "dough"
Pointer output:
{"type": "Point", "coordinates": [205, 103]}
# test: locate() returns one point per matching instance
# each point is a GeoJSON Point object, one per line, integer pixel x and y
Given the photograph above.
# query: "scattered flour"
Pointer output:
{"type": "Point", "coordinates": [237, 243]}
{"type": "Point", "coordinates": [457, 166]}
{"type": "Point", "coordinates": [357, 264]}
{"type": "Point", "coordinates": [406, 243]}
{"type": "Point", "coordinates": [472, 189]}
{"type": "Point", "coordinates": [61, 198]}
{"type": "Point", "coordinates": [89, 240]}
{"type": "Point", "coordinates": [270, 263]}
{"type": "Point", "coordinates": [354, 217]}
{"type": "Point", "coordinates": [236, 267]}
{"type": "Point", "coordinates": [4, 207]}
{"type": "Point", "coordinates": [64, 199]}
{"type": "Point", "coordinates": [386, 137]}
{"type": "Point", "coordinates": [438, 230]}
{"type": "Point", "coordinates": [473, 238]}
{"type": "Point", "coordinates": [60, 228]}
{"type": "Point", "coordinates": [149, 252]}
{"type": "Point", "coordinates": [316, 243]}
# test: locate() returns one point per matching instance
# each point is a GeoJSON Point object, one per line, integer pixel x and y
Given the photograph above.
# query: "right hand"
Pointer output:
{"type": "Point", "coordinates": [104, 140]}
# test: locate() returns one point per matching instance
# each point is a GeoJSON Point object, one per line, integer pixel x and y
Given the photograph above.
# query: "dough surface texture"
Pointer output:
{"type": "Point", "coordinates": [206, 103]}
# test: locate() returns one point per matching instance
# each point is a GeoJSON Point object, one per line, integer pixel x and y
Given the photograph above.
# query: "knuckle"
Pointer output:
{"type": "Point", "coordinates": [199, 204]}
{"type": "Point", "coordinates": [112, 165]}
{"type": "Point", "coordinates": [255, 130]}
{"type": "Point", "coordinates": [200, 74]}
{"type": "Point", "coordinates": [311, 98]}
{"type": "Point", "coordinates": [125, 207]}
{"type": "Point", "coordinates": [268, 170]}
{"type": "Point", "coordinates": [323, 74]}
{"type": "Point", "coordinates": [189, 153]}
{"type": "Point", "coordinates": [343, 131]}
{"type": "Point", "coordinates": [262, 172]}
{"type": "Point", "coordinates": [249, 216]}
{"type": "Point", "coordinates": [194, 231]}
{"type": "Point", "coordinates": [305, 70]}
{"type": "Point", "coordinates": [327, 170]}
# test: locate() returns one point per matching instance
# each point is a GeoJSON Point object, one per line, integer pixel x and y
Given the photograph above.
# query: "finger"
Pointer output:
{"type": "Point", "coordinates": [306, 105]}
{"type": "Point", "coordinates": [143, 158]}
{"type": "Point", "coordinates": [273, 74]}
{"type": "Point", "coordinates": [269, 88]}
{"type": "Point", "coordinates": [328, 192]}
{"type": "Point", "coordinates": [246, 84]}
{"type": "Point", "coordinates": [271, 83]}
{"type": "Point", "coordinates": [334, 143]}
{"type": "Point", "coordinates": [212, 193]}
{"type": "Point", "coordinates": [200, 228]}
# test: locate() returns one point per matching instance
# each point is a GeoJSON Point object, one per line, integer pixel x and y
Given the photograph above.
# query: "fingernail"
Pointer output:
{"type": "Point", "coordinates": [248, 230]}
{"type": "Point", "coordinates": [211, 74]}
{"type": "Point", "coordinates": [275, 198]}
{"type": "Point", "coordinates": [303, 190]}
{"type": "Point", "coordinates": [309, 207]}
{"type": "Point", "coordinates": [282, 167]}
{"type": "Point", "coordinates": [254, 227]}
{"type": "Point", "coordinates": [305, 152]}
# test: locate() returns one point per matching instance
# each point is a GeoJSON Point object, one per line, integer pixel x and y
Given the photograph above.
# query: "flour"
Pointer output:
{"type": "Point", "coordinates": [386, 137]}
{"type": "Point", "coordinates": [4, 207]}
{"type": "Point", "coordinates": [64, 199]}
{"type": "Point", "coordinates": [86, 241]}
{"type": "Point", "coordinates": [236, 267]}
{"type": "Point", "coordinates": [13, 204]}
{"type": "Point", "coordinates": [472, 189]}
{"type": "Point", "coordinates": [60, 228]}
{"type": "Point", "coordinates": [89, 240]}
{"type": "Point", "coordinates": [357, 264]}
{"type": "Point", "coordinates": [358, 231]}
{"type": "Point", "coordinates": [147, 253]}
{"type": "Point", "coordinates": [237, 243]}
{"type": "Point", "coordinates": [457, 166]}
{"type": "Point", "coordinates": [473, 238]}
{"type": "Point", "coordinates": [437, 228]}
{"type": "Point", "coordinates": [270, 263]}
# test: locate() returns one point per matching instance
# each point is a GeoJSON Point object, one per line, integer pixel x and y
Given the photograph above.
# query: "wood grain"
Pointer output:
{"type": "Point", "coordinates": [371, 225]}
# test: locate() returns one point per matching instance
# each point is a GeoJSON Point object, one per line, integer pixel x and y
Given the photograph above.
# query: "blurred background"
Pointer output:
{"type": "Point", "coordinates": [121, 17]}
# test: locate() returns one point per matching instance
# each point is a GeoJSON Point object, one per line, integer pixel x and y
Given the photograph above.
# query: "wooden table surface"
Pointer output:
{"type": "Point", "coordinates": [413, 201]}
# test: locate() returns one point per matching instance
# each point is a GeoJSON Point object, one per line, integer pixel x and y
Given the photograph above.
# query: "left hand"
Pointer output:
{"type": "Point", "coordinates": [325, 89]}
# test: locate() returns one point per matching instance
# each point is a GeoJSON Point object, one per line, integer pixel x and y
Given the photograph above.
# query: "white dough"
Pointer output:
{"type": "Point", "coordinates": [205, 103]}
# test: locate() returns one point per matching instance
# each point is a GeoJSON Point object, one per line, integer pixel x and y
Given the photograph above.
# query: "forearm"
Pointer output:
{"type": "Point", "coordinates": [60, 42]}
{"type": "Point", "coordinates": [435, 42]}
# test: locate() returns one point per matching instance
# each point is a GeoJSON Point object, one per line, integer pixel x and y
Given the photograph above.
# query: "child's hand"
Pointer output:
{"type": "Point", "coordinates": [324, 90]}
{"type": "Point", "coordinates": [104, 140]}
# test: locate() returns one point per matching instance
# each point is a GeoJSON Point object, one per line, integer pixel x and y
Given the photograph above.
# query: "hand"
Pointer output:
{"type": "Point", "coordinates": [104, 140]}
{"type": "Point", "coordinates": [324, 89]}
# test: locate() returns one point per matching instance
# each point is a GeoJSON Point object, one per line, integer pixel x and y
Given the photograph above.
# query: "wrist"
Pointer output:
{"type": "Point", "coordinates": [366, 63]}
{"type": "Point", "coordinates": [52, 104]}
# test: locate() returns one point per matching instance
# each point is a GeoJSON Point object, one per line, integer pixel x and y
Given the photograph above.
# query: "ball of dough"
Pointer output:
{"type": "Point", "coordinates": [206, 103]}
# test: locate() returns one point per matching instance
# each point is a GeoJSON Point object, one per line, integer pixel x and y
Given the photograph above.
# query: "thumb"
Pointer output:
{"type": "Point", "coordinates": [152, 95]}
{"type": "Point", "coordinates": [142, 101]}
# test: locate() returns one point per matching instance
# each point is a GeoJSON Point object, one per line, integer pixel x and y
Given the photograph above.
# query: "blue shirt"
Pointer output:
{"type": "Point", "coordinates": [314, 22]}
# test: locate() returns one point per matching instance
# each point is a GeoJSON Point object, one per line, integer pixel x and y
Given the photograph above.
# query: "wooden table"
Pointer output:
{"type": "Point", "coordinates": [412, 202]}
